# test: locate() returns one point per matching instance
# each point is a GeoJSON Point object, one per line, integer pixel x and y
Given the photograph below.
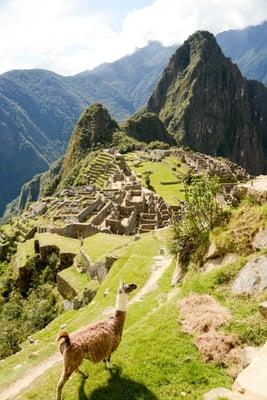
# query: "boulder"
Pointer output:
{"type": "Point", "coordinates": [212, 251]}
{"type": "Point", "coordinates": [252, 278]}
{"type": "Point", "coordinates": [247, 355]}
{"type": "Point", "coordinates": [220, 262]}
{"type": "Point", "coordinates": [252, 380]}
{"type": "Point", "coordinates": [260, 239]}
{"type": "Point", "coordinates": [263, 309]}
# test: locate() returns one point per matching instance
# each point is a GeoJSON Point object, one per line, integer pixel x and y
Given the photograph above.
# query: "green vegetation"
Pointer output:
{"type": "Point", "coordinates": [27, 308]}
{"type": "Point", "coordinates": [77, 280]}
{"type": "Point", "coordinates": [238, 234]}
{"type": "Point", "coordinates": [101, 244]}
{"type": "Point", "coordinates": [167, 183]}
{"type": "Point", "coordinates": [141, 367]}
{"type": "Point", "coordinates": [65, 244]}
{"type": "Point", "coordinates": [201, 213]}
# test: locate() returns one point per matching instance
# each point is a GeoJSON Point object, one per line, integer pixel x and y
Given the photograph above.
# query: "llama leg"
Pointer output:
{"type": "Point", "coordinates": [63, 379]}
{"type": "Point", "coordinates": [84, 374]}
{"type": "Point", "coordinates": [108, 363]}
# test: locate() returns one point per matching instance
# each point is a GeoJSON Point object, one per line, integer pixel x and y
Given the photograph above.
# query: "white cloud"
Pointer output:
{"type": "Point", "coordinates": [48, 34]}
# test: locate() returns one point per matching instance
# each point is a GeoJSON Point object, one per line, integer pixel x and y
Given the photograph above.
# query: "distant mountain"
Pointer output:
{"type": "Point", "coordinates": [248, 49]}
{"type": "Point", "coordinates": [39, 109]}
{"type": "Point", "coordinates": [206, 104]}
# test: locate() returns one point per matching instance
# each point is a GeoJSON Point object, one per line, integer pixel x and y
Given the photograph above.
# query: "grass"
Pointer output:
{"type": "Point", "coordinates": [77, 280]}
{"type": "Point", "coordinates": [65, 244]}
{"type": "Point", "coordinates": [148, 246]}
{"type": "Point", "coordinates": [100, 244]}
{"type": "Point", "coordinates": [172, 190]}
{"type": "Point", "coordinates": [155, 361]}
{"type": "Point", "coordinates": [238, 234]}
{"type": "Point", "coordinates": [25, 250]}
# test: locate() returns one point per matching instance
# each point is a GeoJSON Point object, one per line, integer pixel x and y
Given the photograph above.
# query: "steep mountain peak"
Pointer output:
{"type": "Point", "coordinates": [204, 101]}
{"type": "Point", "coordinates": [95, 127]}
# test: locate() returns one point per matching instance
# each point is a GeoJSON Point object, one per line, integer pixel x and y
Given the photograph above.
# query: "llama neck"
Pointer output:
{"type": "Point", "coordinates": [121, 302]}
{"type": "Point", "coordinates": [120, 312]}
{"type": "Point", "coordinates": [119, 320]}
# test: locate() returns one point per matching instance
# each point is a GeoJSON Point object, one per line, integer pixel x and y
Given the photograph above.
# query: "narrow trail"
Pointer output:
{"type": "Point", "coordinates": [29, 377]}
{"type": "Point", "coordinates": [158, 268]}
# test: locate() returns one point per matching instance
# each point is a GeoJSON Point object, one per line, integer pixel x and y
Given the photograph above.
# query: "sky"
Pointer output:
{"type": "Point", "coordinates": [70, 36]}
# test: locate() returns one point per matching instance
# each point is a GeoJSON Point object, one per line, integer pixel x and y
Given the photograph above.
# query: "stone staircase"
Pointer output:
{"type": "Point", "coordinates": [148, 222]}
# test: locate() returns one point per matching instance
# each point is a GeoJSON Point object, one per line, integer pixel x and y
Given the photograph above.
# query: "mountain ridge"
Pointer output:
{"type": "Point", "coordinates": [205, 102]}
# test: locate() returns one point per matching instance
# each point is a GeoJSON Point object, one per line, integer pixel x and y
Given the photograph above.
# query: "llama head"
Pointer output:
{"type": "Point", "coordinates": [123, 288]}
{"type": "Point", "coordinates": [122, 295]}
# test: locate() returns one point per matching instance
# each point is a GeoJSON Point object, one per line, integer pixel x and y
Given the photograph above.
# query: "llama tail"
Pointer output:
{"type": "Point", "coordinates": [65, 341]}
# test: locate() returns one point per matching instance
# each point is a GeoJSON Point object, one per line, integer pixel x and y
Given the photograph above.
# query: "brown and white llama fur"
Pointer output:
{"type": "Point", "coordinates": [95, 342]}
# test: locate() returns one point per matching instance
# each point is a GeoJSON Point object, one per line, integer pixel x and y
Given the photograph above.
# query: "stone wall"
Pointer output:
{"type": "Point", "coordinates": [90, 208]}
{"type": "Point", "coordinates": [75, 230]}
{"type": "Point", "coordinates": [65, 289]}
{"type": "Point", "coordinates": [102, 214]}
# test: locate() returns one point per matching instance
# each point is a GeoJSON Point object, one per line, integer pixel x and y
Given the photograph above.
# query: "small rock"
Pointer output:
{"type": "Point", "coordinates": [247, 355]}
{"type": "Point", "coordinates": [136, 237]}
{"type": "Point", "coordinates": [17, 367]}
{"type": "Point", "coordinates": [63, 326]}
{"type": "Point", "coordinates": [212, 251]}
{"type": "Point", "coordinates": [162, 251]}
{"type": "Point", "coordinates": [68, 305]}
{"type": "Point", "coordinates": [183, 394]}
{"type": "Point", "coordinates": [34, 354]}
{"type": "Point", "coordinates": [215, 394]}
{"type": "Point", "coordinates": [106, 292]}
{"type": "Point", "coordinates": [260, 239]}
{"type": "Point", "coordinates": [263, 309]}
{"type": "Point", "coordinates": [31, 340]}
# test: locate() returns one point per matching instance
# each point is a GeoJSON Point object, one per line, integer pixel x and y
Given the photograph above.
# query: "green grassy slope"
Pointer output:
{"type": "Point", "coordinates": [155, 359]}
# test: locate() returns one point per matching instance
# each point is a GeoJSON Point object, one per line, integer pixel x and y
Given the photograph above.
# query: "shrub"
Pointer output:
{"type": "Point", "coordinates": [201, 213]}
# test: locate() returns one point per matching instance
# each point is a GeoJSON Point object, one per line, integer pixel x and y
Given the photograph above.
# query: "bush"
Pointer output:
{"type": "Point", "coordinates": [201, 213]}
{"type": "Point", "coordinates": [158, 145]}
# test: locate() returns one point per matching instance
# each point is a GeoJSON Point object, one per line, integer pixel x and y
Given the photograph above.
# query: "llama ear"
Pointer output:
{"type": "Point", "coordinates": [121, 286]}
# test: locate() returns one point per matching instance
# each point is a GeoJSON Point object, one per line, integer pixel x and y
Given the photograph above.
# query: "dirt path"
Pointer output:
{"type": "Point", "coordinates": [158, 268]}
{"type": "Point", "coordinates": [29, 377]}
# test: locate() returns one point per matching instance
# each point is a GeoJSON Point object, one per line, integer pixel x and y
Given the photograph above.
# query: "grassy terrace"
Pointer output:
{"type": "Point", "coordinates": [99, 245]}
{"type": "Point", "coordinates": [163, 179]}
{"type": "Point", "coordinates": [77, 280]}
{"type": "Point", "coordinates": [66, 245]}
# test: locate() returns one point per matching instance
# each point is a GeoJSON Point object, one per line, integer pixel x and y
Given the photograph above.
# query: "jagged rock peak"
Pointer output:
{"type": "Point", "coordinates": [205, 102]}
{"type": "Point", "coordinates": [94, 127]}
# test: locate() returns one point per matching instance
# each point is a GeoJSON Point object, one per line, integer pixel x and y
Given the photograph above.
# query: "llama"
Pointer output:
{"type": "Point", "coordinates": [95, 342]}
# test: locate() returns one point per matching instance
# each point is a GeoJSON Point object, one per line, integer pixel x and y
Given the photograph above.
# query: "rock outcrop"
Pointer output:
{"type": "Point", "coordinates": [95, 127]}
{"type": "Point", "coordinates": [205, 102]}
{"type": "Point", "coordinates": [147, 127]}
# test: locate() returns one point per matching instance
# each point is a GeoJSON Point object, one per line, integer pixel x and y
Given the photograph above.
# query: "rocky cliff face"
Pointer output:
{"type": "Point", "coordinates": [147, 127]}
{"type": "Point", "coordinates": [205, 102]}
